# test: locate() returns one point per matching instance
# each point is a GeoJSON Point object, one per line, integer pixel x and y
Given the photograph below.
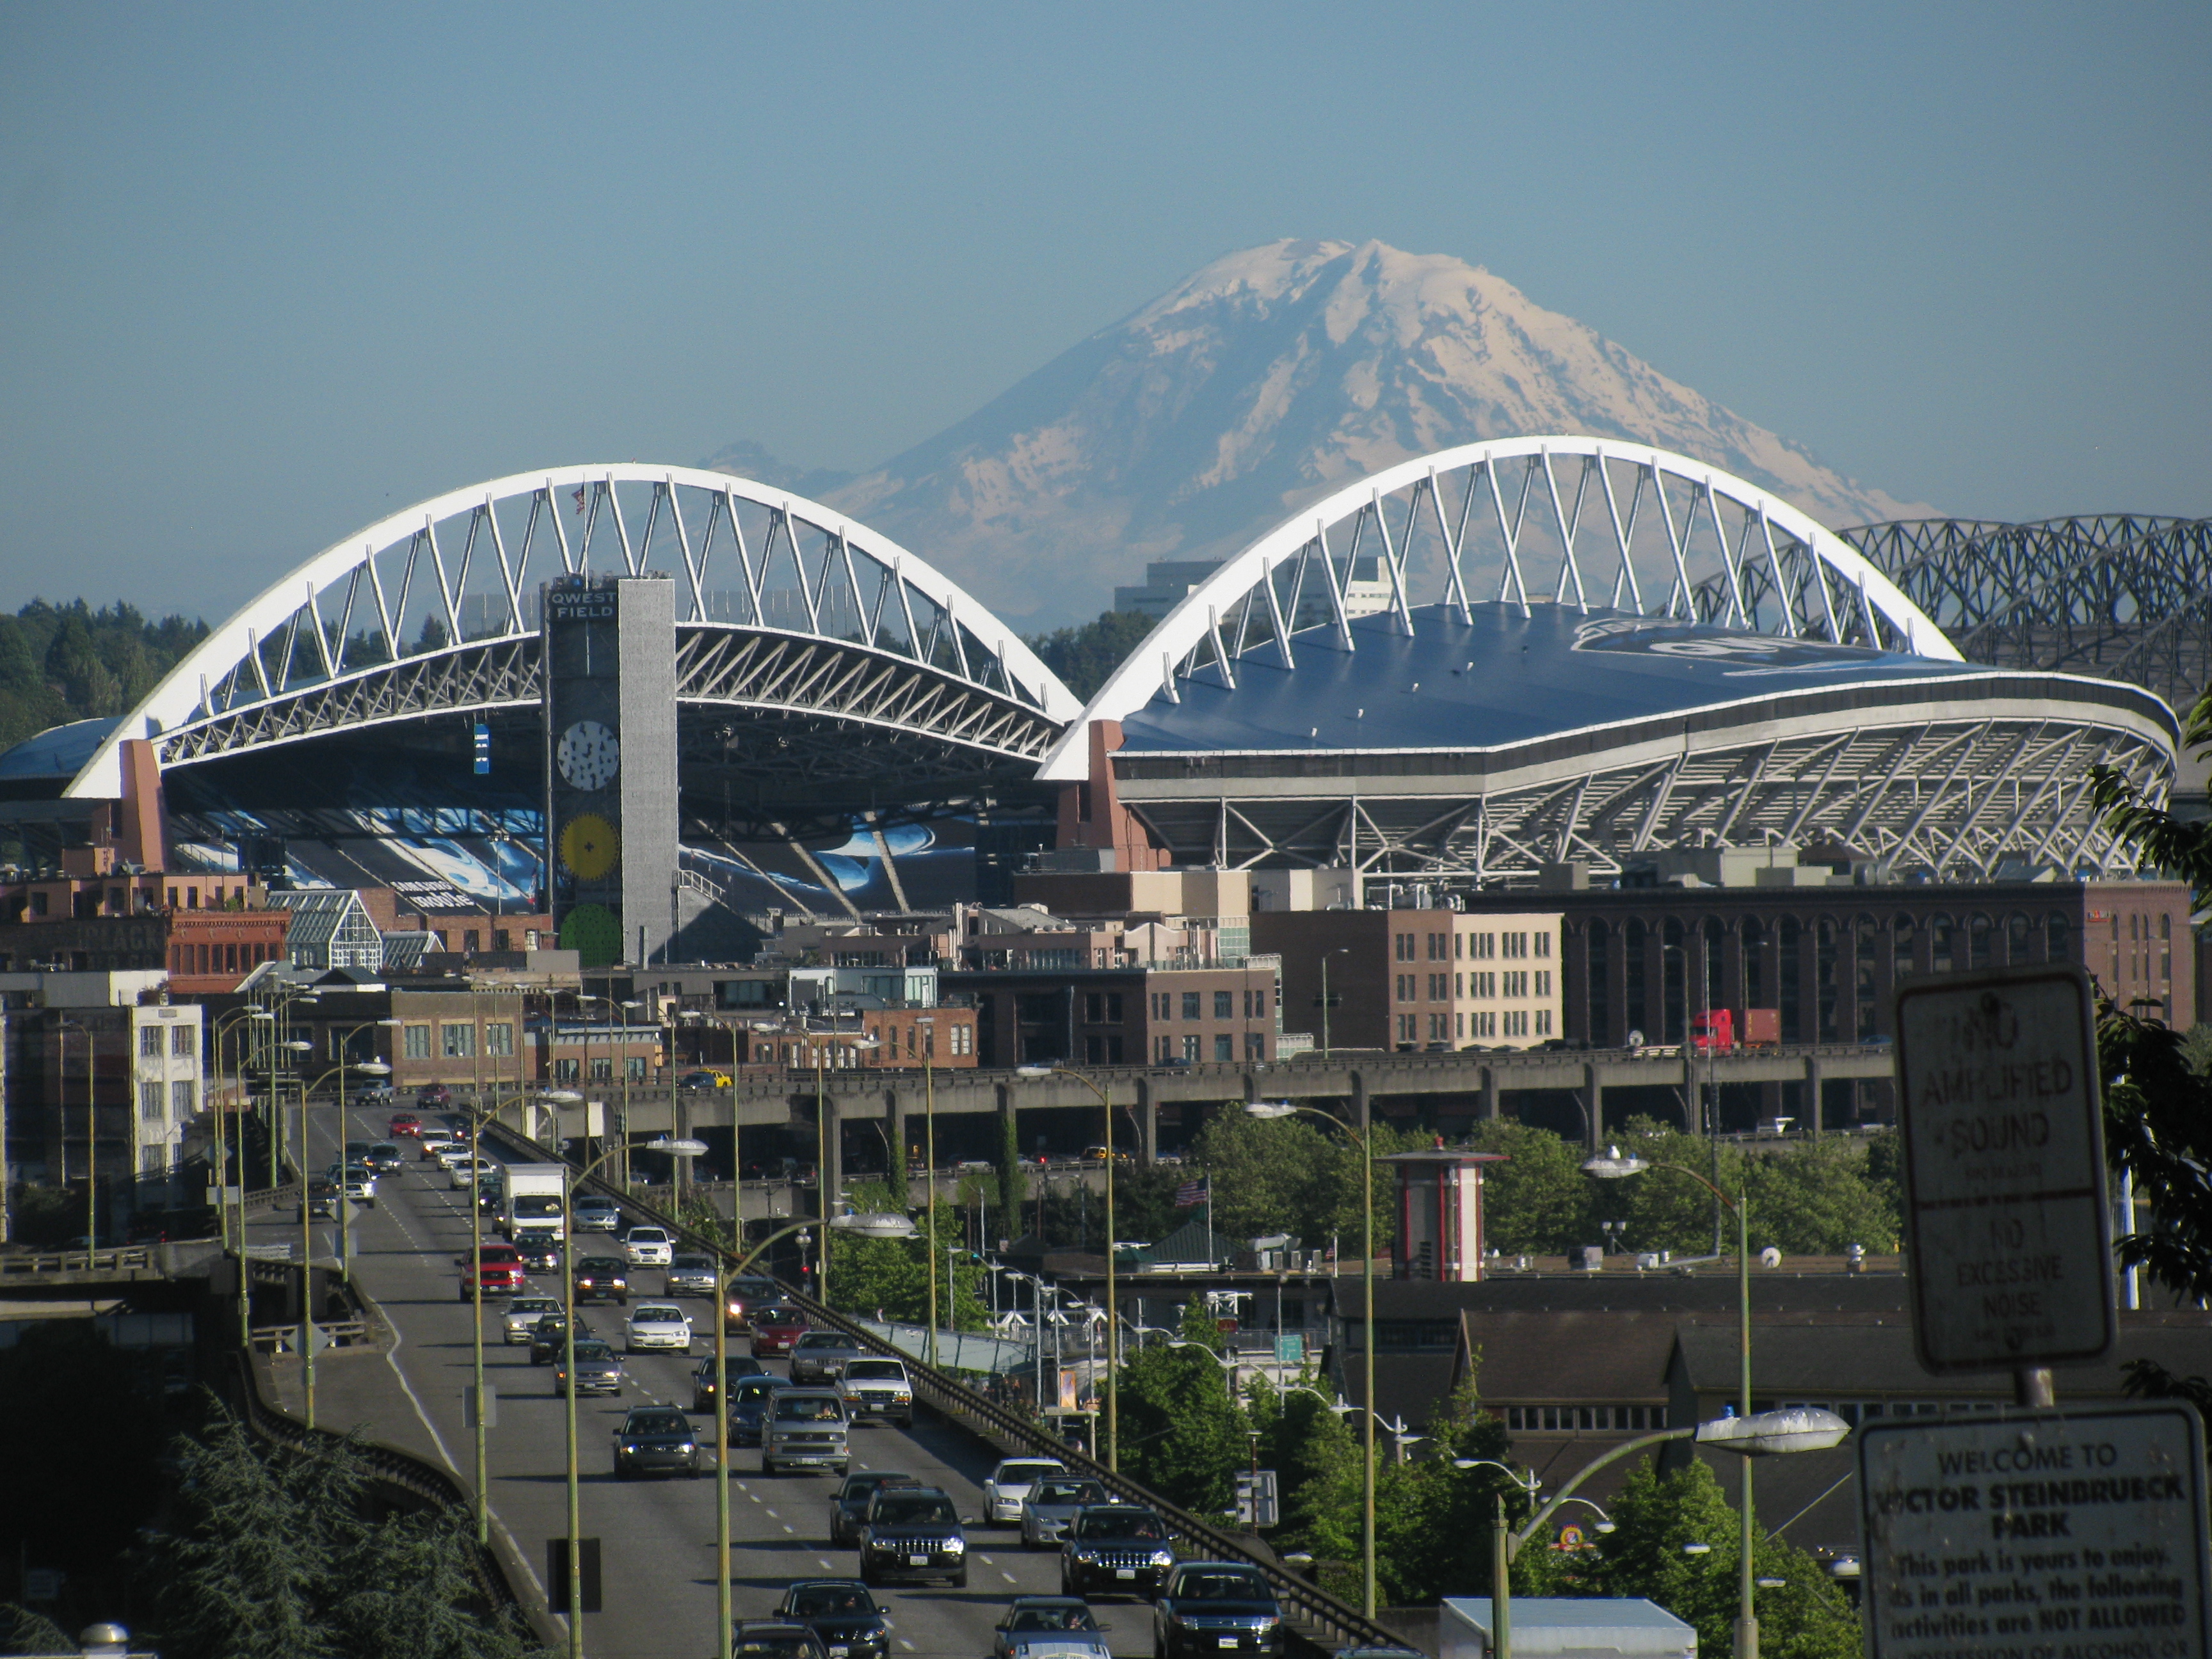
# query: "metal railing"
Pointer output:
{"type": "Point", "coordinates": [136, 1258]}
{"type": "Point", "coordinates": [1325, 1617]}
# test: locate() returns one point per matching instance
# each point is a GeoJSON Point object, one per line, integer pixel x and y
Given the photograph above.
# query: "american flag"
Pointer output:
{"type": "Point", "coordinates": [579, 499]}
{"type": "Point", "coordinates": [1190, 1192]}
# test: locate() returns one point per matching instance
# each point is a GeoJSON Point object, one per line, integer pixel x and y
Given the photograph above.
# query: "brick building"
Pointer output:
{"type": "Point", "coordinates": [1128, 1015]}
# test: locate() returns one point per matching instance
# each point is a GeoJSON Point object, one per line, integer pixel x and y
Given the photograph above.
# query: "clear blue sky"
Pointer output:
{"type": "Point", "coordinates": [268, 272]}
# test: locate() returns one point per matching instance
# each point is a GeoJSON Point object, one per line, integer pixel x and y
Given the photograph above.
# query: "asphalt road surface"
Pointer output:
{"type": "Point", "coordinates": [657, 1535]}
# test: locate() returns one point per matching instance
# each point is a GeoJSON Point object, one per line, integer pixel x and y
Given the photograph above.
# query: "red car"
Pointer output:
{"type": "Point", "coordinates": [434, 1094]}
{"type": "Point", "coordinates": [499, 1267]}
{"type": "Point", "coordinates": [404, 1123]}
{"type": "Point", "coordinates": [776, 1330]}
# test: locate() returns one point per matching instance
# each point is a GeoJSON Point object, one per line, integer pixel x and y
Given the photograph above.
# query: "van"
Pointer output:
{"type": "Point", "coordinates": [805, 1429]}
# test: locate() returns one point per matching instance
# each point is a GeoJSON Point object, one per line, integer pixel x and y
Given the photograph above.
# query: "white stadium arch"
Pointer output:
{"type": "Point", "coordinates": [783, 604]}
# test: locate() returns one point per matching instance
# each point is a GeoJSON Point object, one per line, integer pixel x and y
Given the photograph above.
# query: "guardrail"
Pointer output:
{"type": "Point", "coordinates": [1326, 1617]}
{"type": "Point", "coordinates": [133, 1258]}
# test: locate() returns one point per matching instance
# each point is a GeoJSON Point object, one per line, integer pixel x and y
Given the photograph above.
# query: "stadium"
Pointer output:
{"type": "Point", "coordinates": [1593, 653]}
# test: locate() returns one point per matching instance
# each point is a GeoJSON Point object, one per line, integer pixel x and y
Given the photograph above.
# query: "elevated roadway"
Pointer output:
{"type": "Point", "coordinates": [657, 1536]}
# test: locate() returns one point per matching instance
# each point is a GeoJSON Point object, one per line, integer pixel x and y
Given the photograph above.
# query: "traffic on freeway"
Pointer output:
{"type": "Point", "coordinates": [929, 1539]}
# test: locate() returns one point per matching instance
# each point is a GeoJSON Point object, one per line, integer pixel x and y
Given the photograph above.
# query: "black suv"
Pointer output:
{"type": "Point", "coordinates": [602, 1279]}
{"type": "Point", "coordinates": [841, 1612]}
{"type": "Point", "coordinates": [547, 1340]}
{"type": "Point", "coordinates": [1114, 1549]}
{"type": "Point", "coordinates": [1216, 1607]}
{"type": "Point", "coordinates": [913, 1532]}
{"type": "Point", "coordinates": [656, 1437]}
{"type": "Point", "coordinates": [848, 1505]}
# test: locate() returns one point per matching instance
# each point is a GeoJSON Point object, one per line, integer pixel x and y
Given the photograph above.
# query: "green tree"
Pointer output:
{"type": "Point", "coordinates": [1183, 1434]}
{"type": "Point", "coordinates": [1295, 1175]}
{"type": "Point", "coordinates": [79, 1465]}
{"type": "Point", "coordinates": [1083, 656]}
{"type": "Point", "coordinates": [892, 1274]}
{"type": "Point", "coordinates": [1014, 1184]}
{"type": "Point", "coordinates": [1539, 1201]}
{"type": "Point", "coordinates": [1655, 1515]}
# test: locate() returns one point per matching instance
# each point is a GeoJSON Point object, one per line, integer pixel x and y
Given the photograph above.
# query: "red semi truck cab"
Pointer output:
{"type": "Point", "coordinates": [1725, 1030]}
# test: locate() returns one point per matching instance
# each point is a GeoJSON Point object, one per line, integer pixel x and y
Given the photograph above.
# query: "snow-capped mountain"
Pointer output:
{"type": "Point", "coordinates": [1260, 383]}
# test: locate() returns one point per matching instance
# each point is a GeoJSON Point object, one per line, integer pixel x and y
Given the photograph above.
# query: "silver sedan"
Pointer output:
{"type": "Point", "coordinates": [1050, 1507]}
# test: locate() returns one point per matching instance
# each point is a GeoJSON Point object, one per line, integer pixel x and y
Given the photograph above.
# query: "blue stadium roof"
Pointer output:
{"type": "Point", "coordinates": [1503, 678]}
{"type": "Point", "coordinates": [59, 752]}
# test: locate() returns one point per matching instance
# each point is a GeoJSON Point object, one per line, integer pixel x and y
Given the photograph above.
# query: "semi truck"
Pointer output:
{"type": "Point", "coordinates": [1724, 1031]}
{"type": "Point", "coordinates": [531, 1196]}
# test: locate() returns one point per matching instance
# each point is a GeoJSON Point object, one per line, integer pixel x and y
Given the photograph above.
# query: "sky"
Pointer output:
{"type": "Point", "coordinates": [269, 273]}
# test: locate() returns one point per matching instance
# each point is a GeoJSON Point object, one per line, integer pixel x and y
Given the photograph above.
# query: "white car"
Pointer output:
{"type": "Point", "coordinates": [597, 1215]}
{"type": "Point", "coordinates": [648, 1247]}
{"type": "Point", "coordinates": [467, 1172]}
{"type": "Point", "coordinates": [1010, 1484]}
{"type": "Point", "coordinates": [433, 1143]}
{"type": "Point", "coordinates": [659, 1325]}
{"type": "Point", "coordinates": [455, 1152]}
{"type": "Point", "coordinates": [523, 1313]}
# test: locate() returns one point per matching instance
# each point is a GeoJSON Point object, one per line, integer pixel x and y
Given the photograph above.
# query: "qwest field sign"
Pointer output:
{"type": "Point", "coordinates": [2009, 1236]}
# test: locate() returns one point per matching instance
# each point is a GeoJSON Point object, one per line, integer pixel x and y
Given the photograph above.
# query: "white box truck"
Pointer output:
{"type": "Point", "coordinates": [530, 1198]}
{"type": "Point", "coordinates": [1565, 1627]}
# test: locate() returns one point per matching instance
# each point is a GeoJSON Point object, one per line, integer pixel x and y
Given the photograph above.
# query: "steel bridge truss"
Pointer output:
{"type": "Point", "coordinates": [1563, 521]}
{"type": "Point", "coordinates": [434, 612]}
{"type": "Point", "coordinates": [1959, 800]}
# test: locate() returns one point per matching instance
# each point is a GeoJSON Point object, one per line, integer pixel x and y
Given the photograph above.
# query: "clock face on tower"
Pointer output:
{"type": "Point", "coordinates": [589, 755]}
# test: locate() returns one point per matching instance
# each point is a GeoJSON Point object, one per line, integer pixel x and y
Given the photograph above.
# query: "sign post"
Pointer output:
{"type": "Point", "coordinates": [2009, 1235]}
{"type": "Point", "coordinates": [2038, 1533]}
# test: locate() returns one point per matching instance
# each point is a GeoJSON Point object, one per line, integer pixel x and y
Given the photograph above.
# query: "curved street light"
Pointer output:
{"type": "Point", "coordinates": [1113, 1297]}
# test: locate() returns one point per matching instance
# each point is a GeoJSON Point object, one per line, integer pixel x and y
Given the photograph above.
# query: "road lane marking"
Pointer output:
{"type": "Point", "coordinates": [787, 1527]}
{"type": "Point", "coordinates": [907, 1645]}
{"type": "Point", "coordinates": [1008, 1577]}
{"type": "Point", "coordinates": [826, 1567]}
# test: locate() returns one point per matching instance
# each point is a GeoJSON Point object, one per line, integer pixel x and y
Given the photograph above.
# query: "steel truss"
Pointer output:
{"type": "Point", "coordinates": [1958, 799]}
{"type": "Point", "coordinates": [2121, 596]}
{"type": "Point", "coordinates": [433, 610]}
{"type": "Point", "coordinates": [1566, 520]}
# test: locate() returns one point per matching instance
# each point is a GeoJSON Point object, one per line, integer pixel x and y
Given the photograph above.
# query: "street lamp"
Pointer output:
{"type": "Point", "coordinates": [1612, 1166]}
{"type": "Point", "coordinates": [1113, 1297]}
{"type": "Point", "coordinates": [1281, 1108]}
{"type": "Point", "coordinates": [822, 1041]}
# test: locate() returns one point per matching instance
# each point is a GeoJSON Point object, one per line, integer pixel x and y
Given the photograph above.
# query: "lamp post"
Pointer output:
{"type": "Point", "coordinates": [929, 1167]}
{"type": "Point", "coordinates": [1611, 1166]}
{"type": "Point", "coordinates": [1278, 1108]}
{"type": "Point", "coordinates": [238, 1018]}
{"type": "Point", "coordinates": [1113, 1298]}
{"type": "Point", "coordinates": [822, 1041]}
{"type": "Point", "coordinates": [1501, 1555]}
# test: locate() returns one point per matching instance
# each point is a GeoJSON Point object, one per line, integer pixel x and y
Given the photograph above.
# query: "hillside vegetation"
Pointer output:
{"type": "Point", "coordinates": [69, 662]}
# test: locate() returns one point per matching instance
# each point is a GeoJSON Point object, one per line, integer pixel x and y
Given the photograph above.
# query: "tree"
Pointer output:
{"type": "Point", "coordinates": [892, 1274]}
{"type": "Point", "coordinates": [1539, 1201]}
{"type": "Point", "coordinates": [1183, 1434]}
{"type": "Point", "coordinates": [1084, 655]}
{"type": "Point", "coordinates": [79, 1468]}
{"type": "Point", "coordinates": [1293, 1175]}
{"type": "Point", "coordinates": [1655, 1515]}
{"type": "Point", "coordinates": [1013, 1186]}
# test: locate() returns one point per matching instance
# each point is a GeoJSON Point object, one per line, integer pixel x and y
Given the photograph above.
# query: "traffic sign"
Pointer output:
{"type": "Point", "coordinates": [2044, 1534]}
{"type": "Point", "coordinates": [2009, 1235]}
{"type": "Point", "coordinates": [1257, 1504]}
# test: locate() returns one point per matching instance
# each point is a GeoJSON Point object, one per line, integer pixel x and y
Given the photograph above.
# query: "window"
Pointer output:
{"type": "Point", "coordinates": [149, 1042]}
{"type": "Point", "coordinates": [1163, 1053]}
{"type": "Point", "coordinates": [1439, 1028]}
{"type": "Point", "coordinates": [1408, 1027]}
{"type": "Point", "coordinates": [1459, 1025]}
{"type": "Point", "coordinates": [149, 1101]}
{"type": "Point", "coordinates": [1094, 1008]}
{"type": "Point", "coordinates": [1190, 1049]}
{"type": "Point", "coordinates": [1439, 947]}
{"type": "Point", "coordinates": [1600, 988]}
{"type": "Point", "coordinates": [502, 938]}
{"type": "Point", "coordinates": [1190, 1004]}
{"type": "Point", "coordinates": [152, 1160]}
{"type": "Point", "coordinates": [2058, 938]}
{"type": "Point", "coordinates": [1255, 1004]}
{"type": "Point", "coordinates": [2018, 932]}
{"type": "Point", "coordinates": [1517, 981]}
{"type": "Point", "coordinates": [1543, 1022]}
{"type": "Point", "coordinates": [1459, 985]}
{"type": "Point", "coordinates": [1225, 1005]}
{"type": "Point", "coordinates": [963, 1040]}
{"type": "Point", "coordinates": [1255, 1046]}
{"type": "Point", "coordinates": [1824, 967]}
{"type": "Point", "coordinates": [603, 1068]}
{"type": "Point", "coordinates": [1407, 986]}
{"type": "Point", "coordinates": [1786, 937]}
{"type": "Point", "coordinates": [1439, 988]}
{"type": "Point", "coordinates": [472, 941]}
{"type": "Point", "coordinates": [564, 1071]}
{"type": "Point", "coordinates": [1515, 1021]}
{"type": "Point", "coordinates": [183, 1041]}
{"type": "Point", "coordinates": [1482, 944]}
{"type": "Point", "coordinates": [460, 1042]}
{"type": "Point", "coordinates": [181, 1103]}
{"type": "Point", "coordinates": [1482, 1025]}
{"type": "Point", "coordinates": [2165, 943]}
{"type": "Point", "coordinates": [499, 1037]}
{"type": "Point", "coordinates": [634, 1068]}
{"type": "Point", "coordinates": [1459, 947]}
{"type": "Point", "coordinates": [1224, 1047]}
{"type": "Point", "coordinates": [1403, 946]}
{"type": "Point", "coordinates": [1869, 955]}
{"type": "Point", "coordinates": [415, 1043]}
{"type": "Point", "coordinates": [1544, 944]}
{"type": "Point", "coordinates": [1543, 981]}
{"type": "Point", "coordinates": [1977, 941]}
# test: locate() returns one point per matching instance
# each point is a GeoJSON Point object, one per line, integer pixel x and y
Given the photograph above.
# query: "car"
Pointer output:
{"type": "Point", "coordinates": [647, 1247]}
{"type": "Point", "coordinates": [356, 1151]}
{"type": "Point", "coordinates": [806, 1429]}
{"type": "Point", "coordinates": [429, 1143]}
{"type": "Point", "coordinates": [775, 1329]}
{"type": "Point", "coordinates": [690, 1275]}
{"type": "Point", "coordinates": [540, 1251]}
{"type": "Point", "coordinates": [771, 1638]}
{"type": "Point", "coordinates": [371, 1093]}
{"type": "Point", "coordinates": [658, 1325]}
{"type": "Point", "coordinates": [469, 1172]}
{"type": "Point", "coordinates": [875, 1387]}
{"type": "Point", "coordinates": [818, 1356]}
{"type": "Point", "coordinates": [848, 1505]}
{"type": "Point", "coordinates": [1096, 1154]}
{"type": "Point", "coordinates": [598, 1369]}
{"type": "Point", "coordinates": [1009, 1483]}
{"type": "Point", "coordinates": [602, 1279]}
{"type": "Point", "coordinates": [703, 1080]}
{"type": "Point", "coordinates": [746, 1294]}
{"type": "Point", "coordinates": [913, 1532]}
{"type": "Point", "coordinates": [498, 1267]}
{"type": "Point", "coordinates": [1115, 1549]}
{"type": "Point", "coordinates": [841, 1612]}
{"type": "Point", "coordinates": [404, 1126]}
{"type": "Point", "coordinates": [653, 1439]}
{"type": "Point", "coordinates": [360, 1185]}
{"type": "Point", "coordinates": [1052, 1505]}
{"type": "Point", "coordinates": [383, 1158]}
{"type": "Point", "coordinates": [434, 1095]}
{"type": "Point", "coordinates": [451, 1153]}
{"type": "Point", "coordinates": [547, 1337]}
{"type": "Point", "coordinates": [523, 1313]}
{"type": "Point", "coordinates": [750, 1400]}
{"type": "Point", "coordinates": [1048, 1627]}
{"type": "Point", "coordinates": [703, 1377]}
{"type": "Point", "coordinates": [1216, 1607]}
{"type": "Point", "coordinates": [597, 1215]}
{"type": "Point", "coordinates": [321, 1198]}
